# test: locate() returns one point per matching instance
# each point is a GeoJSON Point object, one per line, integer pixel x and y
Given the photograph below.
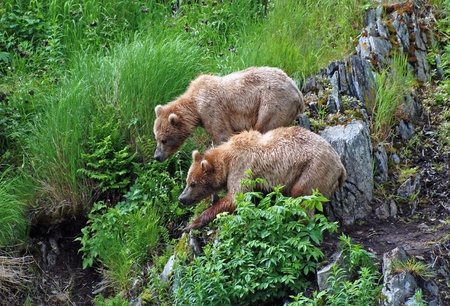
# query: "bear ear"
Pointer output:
{"type": "Point", "coordinates": [206, 166]}
{"type": "Point", "coordinates": [173, 119]}
{"type": "Point", "coordinates": [158, 110]}
{"type": "Point", "coordinates": [196, 157]}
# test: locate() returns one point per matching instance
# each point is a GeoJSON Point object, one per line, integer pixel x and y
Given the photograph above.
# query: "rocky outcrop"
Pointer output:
{"type": "Point", "coordinates": [400, 286]}
{"type": "Point", "coordinates": [352, 77]}
{"type": "Point", "coordinates": [395, 27]}
{"type": "Point", "coordinates": [352, 143]}
{"type": "Point", "coordinates": [397, 287]}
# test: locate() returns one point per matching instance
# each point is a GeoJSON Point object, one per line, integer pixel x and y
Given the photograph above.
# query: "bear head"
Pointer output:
{"type": "Point", "coordinates": [170, 132]}
{"type": "Point", "coordinates": [201, 180]}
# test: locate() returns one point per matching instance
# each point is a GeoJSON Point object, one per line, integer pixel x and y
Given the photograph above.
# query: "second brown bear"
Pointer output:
{"type": "Point", "coordinates": [291, 157]}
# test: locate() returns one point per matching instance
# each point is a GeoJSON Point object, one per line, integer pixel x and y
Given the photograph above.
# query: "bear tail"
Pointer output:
{"type": "Point", "coordinates": [301, 101]}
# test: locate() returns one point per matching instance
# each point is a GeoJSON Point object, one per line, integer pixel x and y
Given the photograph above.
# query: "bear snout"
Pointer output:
{"type": "Point", "coordinates": [185, 200]}
{"type": "Point", "coordinates": [159, 155]}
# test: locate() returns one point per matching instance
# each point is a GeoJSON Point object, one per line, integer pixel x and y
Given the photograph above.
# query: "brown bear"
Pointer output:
{"type": "Point", "coordinates": [292, 157]}
{"type": "Point", "coordinates": [259, 98]}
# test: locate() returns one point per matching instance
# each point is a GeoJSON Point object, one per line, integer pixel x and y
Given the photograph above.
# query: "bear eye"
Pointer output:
{"type": "Point", "coordinates": [163, 141]}
{"type": "Point", "coordinates": [193, 184]}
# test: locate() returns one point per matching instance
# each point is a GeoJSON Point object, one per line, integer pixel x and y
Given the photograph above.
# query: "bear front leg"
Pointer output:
{"type": "Point", "coordinates": [224, 205]}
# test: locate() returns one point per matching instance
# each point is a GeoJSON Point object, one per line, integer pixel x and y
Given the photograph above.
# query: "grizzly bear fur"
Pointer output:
{"type": "Point", "coordinates": [292, 157]}
{"type": "Point", "coordinates": [259, 98]}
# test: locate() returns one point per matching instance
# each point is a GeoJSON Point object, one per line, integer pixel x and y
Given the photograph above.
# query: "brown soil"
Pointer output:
{"type": "Point", "coordinates": [58, 275]}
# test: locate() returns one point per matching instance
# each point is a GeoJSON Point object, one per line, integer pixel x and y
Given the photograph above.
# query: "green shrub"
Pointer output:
{"type": "Point", "coordinates": [110, 169]}
{"type": "Point", "coordinates": [117, 300]}
{"type": "Point", "coordinates": [121, 238]}
{"type": "Point", "coordinates": [262, 252]}
{"type": "Point", "coordinates": [354, 280]}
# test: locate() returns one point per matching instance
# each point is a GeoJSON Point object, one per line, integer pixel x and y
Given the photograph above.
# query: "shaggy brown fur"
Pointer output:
{"type": "Point", "coordinates": [291, 157]}
{"type": "Point", "coordinates": [259, 98]}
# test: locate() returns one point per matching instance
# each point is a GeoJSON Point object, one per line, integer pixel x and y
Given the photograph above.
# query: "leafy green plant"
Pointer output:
{"type": "Point", "coordinates": [353, 280]}
{"type": "Point", "coordinates": [109, 168]}
{"type": "Point", "coordinates": [117, 300]}
{"type": "Point", "coordinates": [418, 298]}
{"type": "Point", "coordinates": [120, 238]}
{"type": "Point", "coordinates": [262, 252]}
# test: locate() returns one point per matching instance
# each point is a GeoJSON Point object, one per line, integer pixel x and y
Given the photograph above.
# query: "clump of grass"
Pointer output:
{"type": "Point", "coordinates": [391, 85]}
{"type": "Point", "coordinates": [301, 37]}
{"type": "Point", "coordinates": [406, 174]}
{"type": "Point", "coordinates": [413, 266]}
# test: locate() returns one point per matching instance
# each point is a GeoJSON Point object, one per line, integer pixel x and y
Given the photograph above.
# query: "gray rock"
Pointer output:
{"type": "Point", "coordinates": [363, 48]}
{"type": "Point", "coordinates": [324, 273]}
{"type": "Point", "coordinates": [381, 27]}
{"type": "Point", "coordinates": [397, 288]}
{"type": "Point", "coordinates": [410, 108]}
{"type": "Point", "coordinates": [380, 47]}
{"type": "Point", "coordinates": [397, 254]}
{"type": "Point", "coordinates": [136, 302]}
{"type": "Point", "coordinates": [395, 158]}
{"type": "Point", "coordinates": [362, 81]}
{"type": "Point", "coordinates": [439, 68]}
{"type": "Point", "coordinates": [352, 76]}
{"type": "Point", "coordinates": [168, 269]}
{"type": "Point", "coordinates": [407, 192]}
{"type": "Point", "coordinates": [333, 105]}
{"type": "Point", "coordinates": [313, 108]}
{"type": "Point", "coordinates": [422, 69]}
{"type": "Point", "coordinates": [381, 164]}
{"type": "Point", "coordinates": [410, 187]}
{"type": "Point", "coordinates": [304, 122]}
{"type": "Point", "coordinates": [370, 19]}
{"type": "Point", "coordinates": [386, 210]}
{"type": "Point", "coordinates": [310, 85]}
{"type": "Point", "coordinates": [405, 130]}
{"type": "Point", "coordinates": [352, 143]}
{"type": "Point", "coordinates": [336, 99]}
{"type": "Point", "coordinates": [400, 24]}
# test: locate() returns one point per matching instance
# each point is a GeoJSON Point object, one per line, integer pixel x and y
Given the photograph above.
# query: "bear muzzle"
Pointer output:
{"type": "Point", "coordinates": [184, 197]}
{"type": "Point", "coordinates": [159, 155]}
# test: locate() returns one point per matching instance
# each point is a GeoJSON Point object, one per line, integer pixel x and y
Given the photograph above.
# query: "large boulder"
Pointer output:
{"type": "Point", "coordinates": [352, 143]}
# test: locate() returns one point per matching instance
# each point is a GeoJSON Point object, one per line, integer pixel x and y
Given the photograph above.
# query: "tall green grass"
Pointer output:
{"type": "Point", "coordinates": [391, 87]}
{"type": "Point", "coordinates": [301, 37]}
{"type": "Point", "coordinates": [13, 222]}
{"type": "Point", "coordinates": [127, 83]}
